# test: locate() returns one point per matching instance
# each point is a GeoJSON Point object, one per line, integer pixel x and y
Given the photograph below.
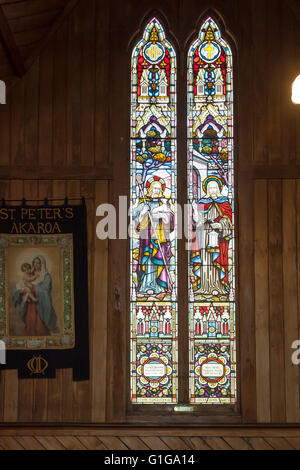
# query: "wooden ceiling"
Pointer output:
{"type": "Point", "coordinates": [25, 28]}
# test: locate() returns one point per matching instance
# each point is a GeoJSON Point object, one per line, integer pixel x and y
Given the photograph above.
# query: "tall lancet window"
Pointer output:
{"type": "Point", "coordinates": [153, 250]}
{"type": "Point", "coordinates": [211, 201]}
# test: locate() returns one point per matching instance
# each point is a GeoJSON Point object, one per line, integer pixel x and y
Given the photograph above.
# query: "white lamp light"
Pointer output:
{"type": "Point", "coordinates": [296, 91]}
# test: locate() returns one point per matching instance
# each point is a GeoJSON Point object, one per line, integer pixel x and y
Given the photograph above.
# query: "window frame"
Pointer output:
{"type": "Point", "coordinates": [166, 414]}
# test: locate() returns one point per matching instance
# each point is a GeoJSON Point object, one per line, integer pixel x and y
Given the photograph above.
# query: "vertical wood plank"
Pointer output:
{"type": "Point", "coordinates": [17, 124]}
{"type": "Point", "coordinates": [102, 84]}
{"type": "Point", "coordinates": [5, 132]}
{"type": "Point", "coordinates": [289, 221]}
{"type": "Point", "coordinates": [60, 97]}
{"type": "Point", "coordinates": [289, 59]}
{"type": "Point", "coordinates": [87, 13]}
{"type": "Point", "coordinates": [99, 320]}
{"type": "Point", "coordinates": [45, 107]}
{"type": "Point", "coordinates": [259, 26]}
{"type": "Point", "coordinates": [277, 366]}
{"type": "Point", "coordinates": [74, 89]}
{"type": "Point", "coordinates": [31, 115]}
{"type": "Point", "coordinates": [273, 122]}
{"type": "Point", "coordinates": [244, 203]}
{"type": "Point", "coordinates": [298, 256]}
{"type": "Point", "coordinates": [118, 307]}
{"type": "Point", "coordinates": [262, 303]}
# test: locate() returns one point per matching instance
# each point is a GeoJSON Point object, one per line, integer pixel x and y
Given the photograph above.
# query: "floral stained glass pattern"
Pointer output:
{"type": "Point", "coordinates": [211, 208]}
{"type": "Point", "coordinates": [153, 250]}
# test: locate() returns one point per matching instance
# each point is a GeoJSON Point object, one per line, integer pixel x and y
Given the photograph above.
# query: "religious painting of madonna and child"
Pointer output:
{"type": "Point", "coordinates": [38, 292]}
{"type": "Point", "coordinates": [44, 289]}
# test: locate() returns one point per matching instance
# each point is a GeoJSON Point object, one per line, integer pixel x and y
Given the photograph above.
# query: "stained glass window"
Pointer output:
{"type": "Point", "coordinates": [153, 249]}
{"type": "Point", "coordinates": [212, 340]}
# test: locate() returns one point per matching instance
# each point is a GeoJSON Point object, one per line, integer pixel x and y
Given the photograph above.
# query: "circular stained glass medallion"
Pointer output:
{"type": "Point", "coordinates": [154, 53]}
{"type": "Point", "coordinates": [210, 51]}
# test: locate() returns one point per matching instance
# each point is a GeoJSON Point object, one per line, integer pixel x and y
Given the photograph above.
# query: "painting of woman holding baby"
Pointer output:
{"type": "Point", "coordinates": [32, 295]}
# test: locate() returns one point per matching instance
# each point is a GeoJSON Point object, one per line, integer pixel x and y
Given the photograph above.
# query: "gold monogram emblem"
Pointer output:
{"type": "Point", "coordinates": [37, 365]}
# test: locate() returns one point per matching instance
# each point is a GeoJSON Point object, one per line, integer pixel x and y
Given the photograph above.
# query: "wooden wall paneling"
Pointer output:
{"type": "Point", "coordinates": [298, 257]}
{"type": "Point", "coordinates": [26, 386]}
{"type": "Point", "coordinates": [87, 12]}
{"type": "Point", "coordinates": [60, 97]}
{"type": "Point", "coordinates": [103, 90]}
{"type": "Point", "coordinates": [262, 323]}
{"type": "Point", "coordinates": [244, 205]}
{"type": "Point", "coordinates": [277, 363]}
{"type": "Point", "coordinates": [31, 115]}
{"type": "Point", "coordinates": [259, 28]}
{"type": "Point", "coordinates": [273, 121]}
{"type": "Point", "coordinates": [55, 396]}
{"type": "Point", "coordinates": [5, 376]}
{"type": "Point", "coordinates": [74, 89]}
{"type": "Point", "coordinates": [17, 98]}
{"type": "Point", "coordinates": [5, 136]}
{"type": "Point", "coordinates": [118, 282]}
{"type": "Point", "coordinates": [290, 297]}
{"type": "Point", "coordinates": [45, 119]}
{"type": "Point", "coordinates": [286, 68]}
{"type": "Point", "coordinates": [98, 326]}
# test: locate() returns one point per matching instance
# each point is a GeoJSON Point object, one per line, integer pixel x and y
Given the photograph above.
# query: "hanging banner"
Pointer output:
{"type": "Point", "coordinates": [44, 289]}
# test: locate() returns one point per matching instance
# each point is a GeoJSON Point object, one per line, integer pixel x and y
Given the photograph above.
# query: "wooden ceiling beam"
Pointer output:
{"type": "Point", "coordinates": [66, 12]}
{"type": "Point", "coordinates": [294, 6]}
{"type": "Point", "coordinates": [10, 46]}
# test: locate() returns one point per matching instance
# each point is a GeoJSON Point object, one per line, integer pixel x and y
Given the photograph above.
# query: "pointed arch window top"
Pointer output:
{"type": "Point", "coordinates": [155, 40]}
